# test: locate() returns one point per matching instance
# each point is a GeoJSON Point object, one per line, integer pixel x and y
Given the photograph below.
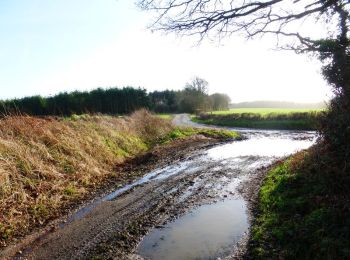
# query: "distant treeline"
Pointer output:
{"type": "Point", "coordinates": [108, 101]}
{"type": "Point", "coordinates": [116, 101]}
{"type": "Point", "coordinates": [278, 104]}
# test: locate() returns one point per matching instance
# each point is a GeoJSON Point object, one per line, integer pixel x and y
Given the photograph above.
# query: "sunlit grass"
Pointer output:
{"type": "Point", "coordinates": [264, 111]}
{"type": "Point", "coordinates": [165, 116]}
{"type": "Point", "coordinates": [262, 118]}
{"type": "Point", "coordinates": [303, 210]}
{"type": "Point", "coordinates": [183, 132]}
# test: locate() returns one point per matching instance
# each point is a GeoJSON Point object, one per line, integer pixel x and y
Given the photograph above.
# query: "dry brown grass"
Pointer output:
{"type": "Point", "coordinates": [47, 163]}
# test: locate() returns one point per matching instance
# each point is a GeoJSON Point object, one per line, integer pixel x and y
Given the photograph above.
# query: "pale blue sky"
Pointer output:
{"type": "Point", "coordinates": [50, 46]}
{"type": "Point", "coordinates": [39, 36]}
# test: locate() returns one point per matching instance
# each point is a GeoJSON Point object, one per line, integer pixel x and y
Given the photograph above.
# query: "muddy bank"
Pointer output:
{"type": "Point", "coordinates": [125, 173]}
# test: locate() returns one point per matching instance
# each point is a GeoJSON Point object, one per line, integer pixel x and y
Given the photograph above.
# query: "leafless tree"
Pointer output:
{"type": "Point", "coordinates": [199, 85]}
{"type": "Point", "coordinates": [251, 18]}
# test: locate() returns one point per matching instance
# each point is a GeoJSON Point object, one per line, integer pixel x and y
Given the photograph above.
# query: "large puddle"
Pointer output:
{"type": "Point", "coordinates": [212, 230]}
{"type": "Point", "coordinates": [185, 238]}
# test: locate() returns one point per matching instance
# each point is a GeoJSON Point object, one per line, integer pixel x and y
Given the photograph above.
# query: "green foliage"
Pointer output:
{"type": "Point", "coordinates": [164, 101]}
{"type": "Point", "coordinates": [335, 55]}
{"type": "Point", "coordinates": [303, 210]}
{"type": "Point", "coordinates": [77, 105]}
{"type": "Point", "coordinates": [335, 126]}
{"type": "Point", "coordinates": [219, 134]}
{"type": "Point", "coordinates": [183, 132]}
{"type": "Point", "coordinates": [177, 133]}
{"type": "Point", "coordinates": [194, 98]}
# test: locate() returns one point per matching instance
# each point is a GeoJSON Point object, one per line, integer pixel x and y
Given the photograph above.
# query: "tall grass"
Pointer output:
{"type": "Point", "coordinates": [47, 163]}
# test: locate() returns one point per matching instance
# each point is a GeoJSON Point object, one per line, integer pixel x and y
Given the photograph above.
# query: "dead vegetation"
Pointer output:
{"type": "Point", "coordinates": [47, 163]}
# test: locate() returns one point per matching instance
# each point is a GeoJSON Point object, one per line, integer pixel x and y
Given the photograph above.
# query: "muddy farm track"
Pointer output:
{"type": "Point", "coordinates": [191, 207]}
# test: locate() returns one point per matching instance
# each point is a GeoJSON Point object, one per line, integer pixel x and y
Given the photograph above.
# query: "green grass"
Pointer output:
{"type": "Point", "coordinates": [165, 116]}
{"type": "Point", "coordinates": [264, 111]}
{"type": "Point", "coordinates": [266, 124]}
{"type": "Point", "coordinates": [183, 132]}
{"type": "Point", "coordinates": [263, 119]}
{"type": "Point", "coordinates": [303, 211]}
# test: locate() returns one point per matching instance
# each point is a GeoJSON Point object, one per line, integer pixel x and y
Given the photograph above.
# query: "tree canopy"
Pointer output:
{"type": "Point", "coordinates": [194, 98]}
{"type": "Point", "coordinates": [107, 101]}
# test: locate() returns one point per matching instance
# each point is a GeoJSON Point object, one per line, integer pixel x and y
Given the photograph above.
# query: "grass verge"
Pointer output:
{"type": "Point", "coordinates": [303, 210]}
{"type": "Point", "coordinates": [47, 164]}
{"type": "Point", "coordinates": [287, 121]}
{"type": "Point", "coordinates": [181, 132]}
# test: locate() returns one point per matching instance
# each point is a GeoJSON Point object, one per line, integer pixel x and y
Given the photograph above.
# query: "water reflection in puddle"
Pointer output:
{"type": "Point", "coordinates": [208, 232]}
{"type": "Point", "coordinates": [264, 146]}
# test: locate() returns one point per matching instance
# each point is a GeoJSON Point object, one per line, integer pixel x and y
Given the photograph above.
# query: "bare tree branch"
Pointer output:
{"type": "Point", "coordinates": [248, 17]}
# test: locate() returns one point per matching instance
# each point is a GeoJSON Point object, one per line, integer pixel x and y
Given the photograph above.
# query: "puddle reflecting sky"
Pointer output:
{"type": "Point", "coordinates": [264, 146]}
{"type": "Point", "coordinates": [206, 233]}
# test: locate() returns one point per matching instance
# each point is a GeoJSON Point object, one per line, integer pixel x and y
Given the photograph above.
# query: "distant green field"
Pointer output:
{"type": "Point", "coordinates": [263, 111]}
{"type": "Point", "coordinates": [165, 116]}
{"type": "Point", "coordinates": [263, 118]}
